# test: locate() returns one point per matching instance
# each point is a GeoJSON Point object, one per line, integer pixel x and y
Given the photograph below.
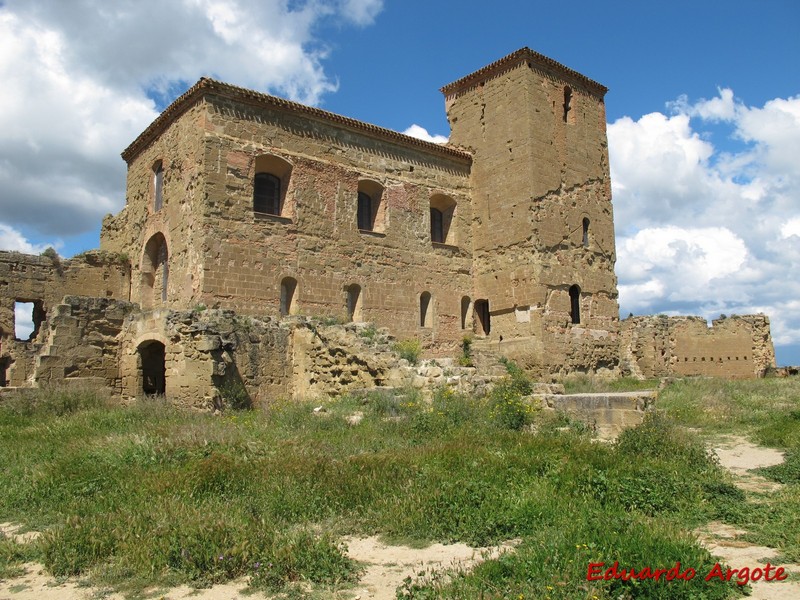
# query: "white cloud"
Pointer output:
{"type": "Point", "coordinates": [11, 239]}
{"type": "Point", "coordinates": [791, 227]}
{"type": "Point", "coordinates": [706, 231]}
{"type": "Point", "coordinates": [79, 78]}
{"type": "Point", "coordinates": [23, 320]}
{"type": "Point", "coordinates": [421, 133]}
{"type": "Point", "coordinates": [361, 12]}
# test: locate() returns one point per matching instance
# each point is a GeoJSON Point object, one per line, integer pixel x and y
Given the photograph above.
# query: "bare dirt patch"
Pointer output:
{"type": "Point", "coordinates": [739, 456]}
{"type": "Point", "coordinates": [386, 566]}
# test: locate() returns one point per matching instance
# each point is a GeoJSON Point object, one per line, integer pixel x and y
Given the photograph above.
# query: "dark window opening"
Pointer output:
{"type": "Point", "coordinates": [575, 304]}
{"type": "Point", "coordinates": [354, 303]}
{"type": "Point", "coordinates": [4, 362]}
{"type": "Point", "coordinates": [482, 316]}
{"type": "Point", "coordinates": [437, 226]}
{"type": "Point", "coordinates": [28, 318]}
{"type": "Point", "coordinates": [465, 304]}
{"type": "Point", "coordinates": [567, 101]}
{"type": "Point", "coordinates": [267, 194]}
{"type": "Point", "coordinates": [364, 212]}
{"type": "Point", "coordinates": [288, 289]}
{"type": "Point", "coordinates": [154, 373]}
{"type": "Point", "coordinates": [585, 232]}
{"type": "Point", "coordinates": [425, 309]}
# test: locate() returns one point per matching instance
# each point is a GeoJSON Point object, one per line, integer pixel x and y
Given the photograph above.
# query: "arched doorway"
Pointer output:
{"type": "Point", "coordinates": [152, 358]}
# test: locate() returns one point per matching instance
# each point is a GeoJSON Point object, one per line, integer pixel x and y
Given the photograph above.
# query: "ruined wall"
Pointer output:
{"type": "Point", "coordinates": [210, 357]}
{"type": "Point", "coordinates": [44, 281]}
{"type": "Point", "coordinates": [542, 216]}
{"type": "Point", "coordinates": [736, 347]}
{"type": "Point", "coordinates": [82, 343]}
{"type": "Point", "coordinates": [316, 240]}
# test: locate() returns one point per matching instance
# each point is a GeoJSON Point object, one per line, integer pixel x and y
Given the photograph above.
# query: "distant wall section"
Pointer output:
{"type": "Point", "coordinates": [737, 347]}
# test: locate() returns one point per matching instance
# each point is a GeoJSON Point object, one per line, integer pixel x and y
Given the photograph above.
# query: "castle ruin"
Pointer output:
{"type": "Point", "coordinates": [252, 221]}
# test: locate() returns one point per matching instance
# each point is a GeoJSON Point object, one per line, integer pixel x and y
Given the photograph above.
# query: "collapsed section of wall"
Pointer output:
{"type": "Point", "coordinates": [736, 347]}
{"type": "Point", "coordinates": [43, 281]}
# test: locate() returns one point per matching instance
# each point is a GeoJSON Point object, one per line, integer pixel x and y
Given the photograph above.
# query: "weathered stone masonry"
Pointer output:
{"type": "Point", "coordinates": [246, 215]}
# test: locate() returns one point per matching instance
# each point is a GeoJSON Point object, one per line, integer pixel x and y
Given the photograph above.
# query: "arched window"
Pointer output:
{"type": "Point", "coordinates": [585, 232]}
{"type": "Point", "coordinates": [482, 317]}
{"type": "Point", "coordinates": [567, 101]}
{"type": "Point", "coordinates": [425, 319]}
{"type": "Point", "coordinates": [158, 186]}
{"type": "Point", "coordinates": [465, 306]}
{"type": "Point", "coordinates": [154, 270]}
{"type": "Point", "coordinates": [371, 208]}
{"type": "Point", "coordinates": [354, 303]}
{"type": "Point", "coordinates": [267, 194]}
{"type": "Point", "coordinates": [288, 293]}
{"type": "Point", "coordinates": [575, 304]}
{"type": "Point", "coordinates": [270, 183]}
{"type": "Point", "coordinates": [442, 211]}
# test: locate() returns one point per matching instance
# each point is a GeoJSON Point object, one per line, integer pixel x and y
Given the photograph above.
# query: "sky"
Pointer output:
{"type": "Point", "coordinates": [703, 115]}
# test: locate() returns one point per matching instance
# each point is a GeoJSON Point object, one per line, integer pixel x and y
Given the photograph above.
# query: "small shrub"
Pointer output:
{"type": "Point", "coordinates": [410, 349]}
{"type": "Point", "coordinates": [369, 333]}
{"type": "Point", "coordinates": [299, 556]}
{"type": "Point", "coordinates": [659, 437]}
{"type": "Point", "coordinates": [236, 394]}
{"type": "Point", "coordinates": [12, 555]}
{"type": "Point", "coordinates": [508, 409]}
{"type": "Point", "coordinates": [465, 360]}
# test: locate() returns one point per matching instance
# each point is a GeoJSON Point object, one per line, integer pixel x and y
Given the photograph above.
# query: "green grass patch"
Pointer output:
{"type": "Point", "coordinates": [150, 495]}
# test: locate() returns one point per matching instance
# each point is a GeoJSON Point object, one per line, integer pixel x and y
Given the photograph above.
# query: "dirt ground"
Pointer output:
{"type": "Point", "coordinates": [386, 566]}
{"type": "Point", "coordinates": [739, 456]}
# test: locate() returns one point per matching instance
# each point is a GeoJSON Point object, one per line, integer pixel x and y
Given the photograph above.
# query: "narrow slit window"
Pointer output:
{"type": "Point", "coordinates": [585, 232]}
{"type": "Point", "coordinates": [158, 186]}
{"type": "Point", "coordinates": [575, 304]}
{"type": "Point", "coordinates": [567, 102]}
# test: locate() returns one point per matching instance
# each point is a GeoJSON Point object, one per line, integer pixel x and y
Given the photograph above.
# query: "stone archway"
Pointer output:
{"type": "Point", "coordinates": [152, 361]}
{"type": "Point", "coordinates": [155, 271]}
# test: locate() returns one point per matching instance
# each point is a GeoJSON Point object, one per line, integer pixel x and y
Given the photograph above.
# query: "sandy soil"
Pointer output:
{"type": "Point", "coordinates": [385, 568]}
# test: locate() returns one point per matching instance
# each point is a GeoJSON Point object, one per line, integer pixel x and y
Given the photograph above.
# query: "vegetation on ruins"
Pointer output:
{"type": "Point", "coordinates": [149, 494]}
{"type": "Point", "coordinates": [410, 350]}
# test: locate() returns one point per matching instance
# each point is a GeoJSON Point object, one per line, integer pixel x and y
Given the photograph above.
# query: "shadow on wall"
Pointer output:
{"type": "Point", "coordinates": [232, 390]}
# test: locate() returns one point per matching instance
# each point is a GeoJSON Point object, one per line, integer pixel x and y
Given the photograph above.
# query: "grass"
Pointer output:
{"type": "Point", "coordinates": [149, 495]}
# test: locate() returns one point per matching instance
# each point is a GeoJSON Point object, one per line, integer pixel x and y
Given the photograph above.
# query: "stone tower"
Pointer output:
{"type": "Point", "coordinates": [543, 231]}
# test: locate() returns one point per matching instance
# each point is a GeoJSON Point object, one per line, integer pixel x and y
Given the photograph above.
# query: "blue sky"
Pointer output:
{"type": "Point", "coordinates": [703, 111]}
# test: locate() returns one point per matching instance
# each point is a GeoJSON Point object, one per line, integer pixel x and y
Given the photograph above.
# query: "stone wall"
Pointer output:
{"type": "Point", "coordinates": [736, 347]}
{"type": "Point", "coordinates": [82, 343]}
{"type": "Point", "coordinates": [44, 281]}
